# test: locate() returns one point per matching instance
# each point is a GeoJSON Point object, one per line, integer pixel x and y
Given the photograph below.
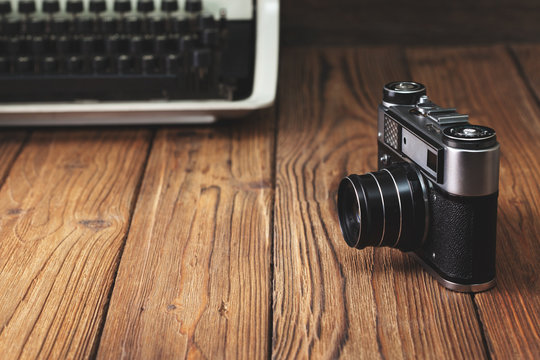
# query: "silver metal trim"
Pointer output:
{"type": "Point", "coordinates": [471, 172]}
{"type": "Point", "coordinates": [415, 148]}
{"type": "Point", "coordinates": [425, 195]}
{"type": "Point", "coordinates": [383, 209]}
{"type": "Point", "coordinates": [452, 285]}
{"type": "Point", "coordinates": [466, 172]}
{"type": "Point", "coordinates": [417, 87]}
{"type": "Point", "coordinates": [400, 208]}
{"type": "Point", "coordinates": [471, 139]}
{"type": "Point", "coordinates": [387, 104]}
{"type": "Point", "coordinates": [359, 210]}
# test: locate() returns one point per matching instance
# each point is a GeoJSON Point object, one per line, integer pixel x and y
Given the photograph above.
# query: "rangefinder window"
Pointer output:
{"type": "Point", "coordinates": [432, 160]}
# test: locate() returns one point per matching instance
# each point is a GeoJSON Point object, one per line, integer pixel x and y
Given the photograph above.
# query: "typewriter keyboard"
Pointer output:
{"type": "Point", "coordinates": [77, 50]}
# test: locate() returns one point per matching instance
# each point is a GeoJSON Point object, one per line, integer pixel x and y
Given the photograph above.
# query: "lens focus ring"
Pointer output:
{"type": "Point", "coordinates": [384, 208]}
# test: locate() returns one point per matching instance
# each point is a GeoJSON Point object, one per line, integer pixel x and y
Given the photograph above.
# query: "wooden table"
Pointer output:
{"type": "Point", "coordinates": [222, 241]}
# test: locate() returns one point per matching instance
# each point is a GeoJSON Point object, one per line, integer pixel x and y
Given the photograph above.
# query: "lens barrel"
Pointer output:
{"type": "Point", "coordinates": [384, 208]}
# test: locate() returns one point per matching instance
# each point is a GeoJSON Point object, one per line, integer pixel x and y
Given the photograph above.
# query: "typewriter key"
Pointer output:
{"type": "Point", "coordinates": [27, 6]}
{"type": "Point", "coordinates": [97, 6]}
{"type": "Point", "coordinates": [169, 5]}
{"type": "Point", "coordinates": [145, 6]}
{"type": "Point", "coordinates": [74, 7]}
{"type": "Point", "coordinates": [193, 6]}
{"type": "Point", "coordinates": [24, 65]}
{"type": "Point", "coordinates": [50, 6]}
{"type": "Point", "coordinates": [5, 7]}
{"type": "Point", "coordinates": [122, 6]}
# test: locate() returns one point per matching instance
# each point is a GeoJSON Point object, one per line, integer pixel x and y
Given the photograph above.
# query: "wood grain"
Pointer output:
{"type": "Point", "coordinates": [194, 281]}
{"type": "Point", "coordinates": [527, 56]}
{"type": "Point", "coordinates": [331, 300]}
{"type": "Point", "coordinates": [11, 143]}
{"type": "Point", "coordinates": [353, 22]}
{"type": "Point", "coordinates": [232, 246]}
{"type": "Point", "coordinates": [64, 212]}
{"type": "Point", "coordinates": [484, 83]}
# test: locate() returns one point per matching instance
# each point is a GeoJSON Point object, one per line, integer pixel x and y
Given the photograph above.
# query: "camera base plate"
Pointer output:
{"type": "Point", "coordinates": [450, 285]}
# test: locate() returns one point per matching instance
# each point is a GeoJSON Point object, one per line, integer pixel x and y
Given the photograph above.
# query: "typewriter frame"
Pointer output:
{"type": "Point", "coordinates": [163, 111]}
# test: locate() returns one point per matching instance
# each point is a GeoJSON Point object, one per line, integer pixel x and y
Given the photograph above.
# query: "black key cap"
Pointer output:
{"type": "Point", "coordinates": [4, 65]}
{"type": "Point", "coordinates": [5, 7]}
{"type": "Point", "coordinates": [62, 45]}
{"type": "Point", "coordinates": [180, 25]}
{"type": "Point", "coordinates": [51, 6]}
{"type": "Point", "coordinates": [12, 26]}
{"type": "Point", "coordinates": [206, 21]}
{"type": "Point", "coordinates": [49, 65]}
{"type": "Point", "coordinates": [136, 44]}
{"type": "Point", "coordinates": [122, 6]}
{"type": "Point", "coordinates": [133, 24]}
{"type": "Point", "coordinates": [84, 24]}
{"type": "Point", "coordinates": [50, 45]}
{"type": "Point", "coordinates": [36, 26]}
{"type": "Point", "coordinates": [97, 6]}
{"type": "Point", "coordinates": [14, 46]}
{"type": "Point", "coordinates": [38, 45]}
{"type": "Point", "coordinates": [74, 65]}
{"type": "Point", "coordinates": [160, 44]}
{"type": "Point", "coordinates": [74, 6]}
{"type": "Point", "coordinates": [87, 45]}
{"type": "Point", "coordinates": [25, 47]}
{"type": "Point", "coordinates": [169, 5]}
{"type": "Point", "coordinates": [123, 45]}
{"type": "Point", "coordinates": [112, 44]}
{"type": "Point", "coordinates": [27, 6]}
{"type": "Point", "coordinates": [100, 64]}
{"type": "Point", "coordinates": [186, 43]}
{"type": "Point", "coordinates": [148, 64]}
{"type": "Point", "coordinates": [123, 64]}
{"type": "Point", "coordinates": [145, 6]}
{"type": "Point", "coordinates": [172, 64]}
{"type": "Point", "coordinates": [60, 25]}
{"type": "Point", "coordinates": [109, 25]}
{"type": "Point", "coordinates": [157, 25]}
{"type": "Point", "coordinates": [201, 58]}
{"type": "Point", "coordinates": [210, 38]}
{"type": "Point", "coordinates": [24, 65]}
{"type": "Point", "coordinates": [193, 6]}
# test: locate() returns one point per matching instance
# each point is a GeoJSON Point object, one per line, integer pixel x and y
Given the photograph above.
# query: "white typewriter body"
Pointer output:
{"type": "Point", "coordinates": [170, 111]}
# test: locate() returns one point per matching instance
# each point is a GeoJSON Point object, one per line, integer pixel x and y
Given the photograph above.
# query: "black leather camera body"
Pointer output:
{"type": "Point", "coordinates": [435, 194]}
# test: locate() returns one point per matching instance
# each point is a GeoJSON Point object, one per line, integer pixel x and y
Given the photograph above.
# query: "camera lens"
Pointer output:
{"type": "Point", "coordinates": [384, 208]}
{"type": "Point", "coordinates": [403, 92]}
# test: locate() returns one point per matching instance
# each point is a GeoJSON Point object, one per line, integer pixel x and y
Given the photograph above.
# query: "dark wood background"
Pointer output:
{"type": "Point", "coordinates": [355, 22]}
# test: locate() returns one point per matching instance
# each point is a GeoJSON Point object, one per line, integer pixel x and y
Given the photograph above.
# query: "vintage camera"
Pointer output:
{"type": "Point", "coordinates": [435, 194]}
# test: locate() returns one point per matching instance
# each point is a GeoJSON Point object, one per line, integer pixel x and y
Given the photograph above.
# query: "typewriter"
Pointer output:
{"type": "Point", "coordinates": [135, 61]}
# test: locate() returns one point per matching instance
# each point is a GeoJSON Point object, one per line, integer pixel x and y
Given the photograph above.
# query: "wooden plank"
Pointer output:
{"type": "Point", "coordinates": [484, 83]}
{"type": "Point", "coordinates": [352, 22]}
{"type": "Point", "coordinates": [194, 280]}
{"type": "Point", "coordinates": [64, 213]}
{"type": "Point", "coordinates": [329, 299]}
{"type": "Point", "coordinates": [527, 56]}
{"type": "Point", "coordinates": [11, 143]}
